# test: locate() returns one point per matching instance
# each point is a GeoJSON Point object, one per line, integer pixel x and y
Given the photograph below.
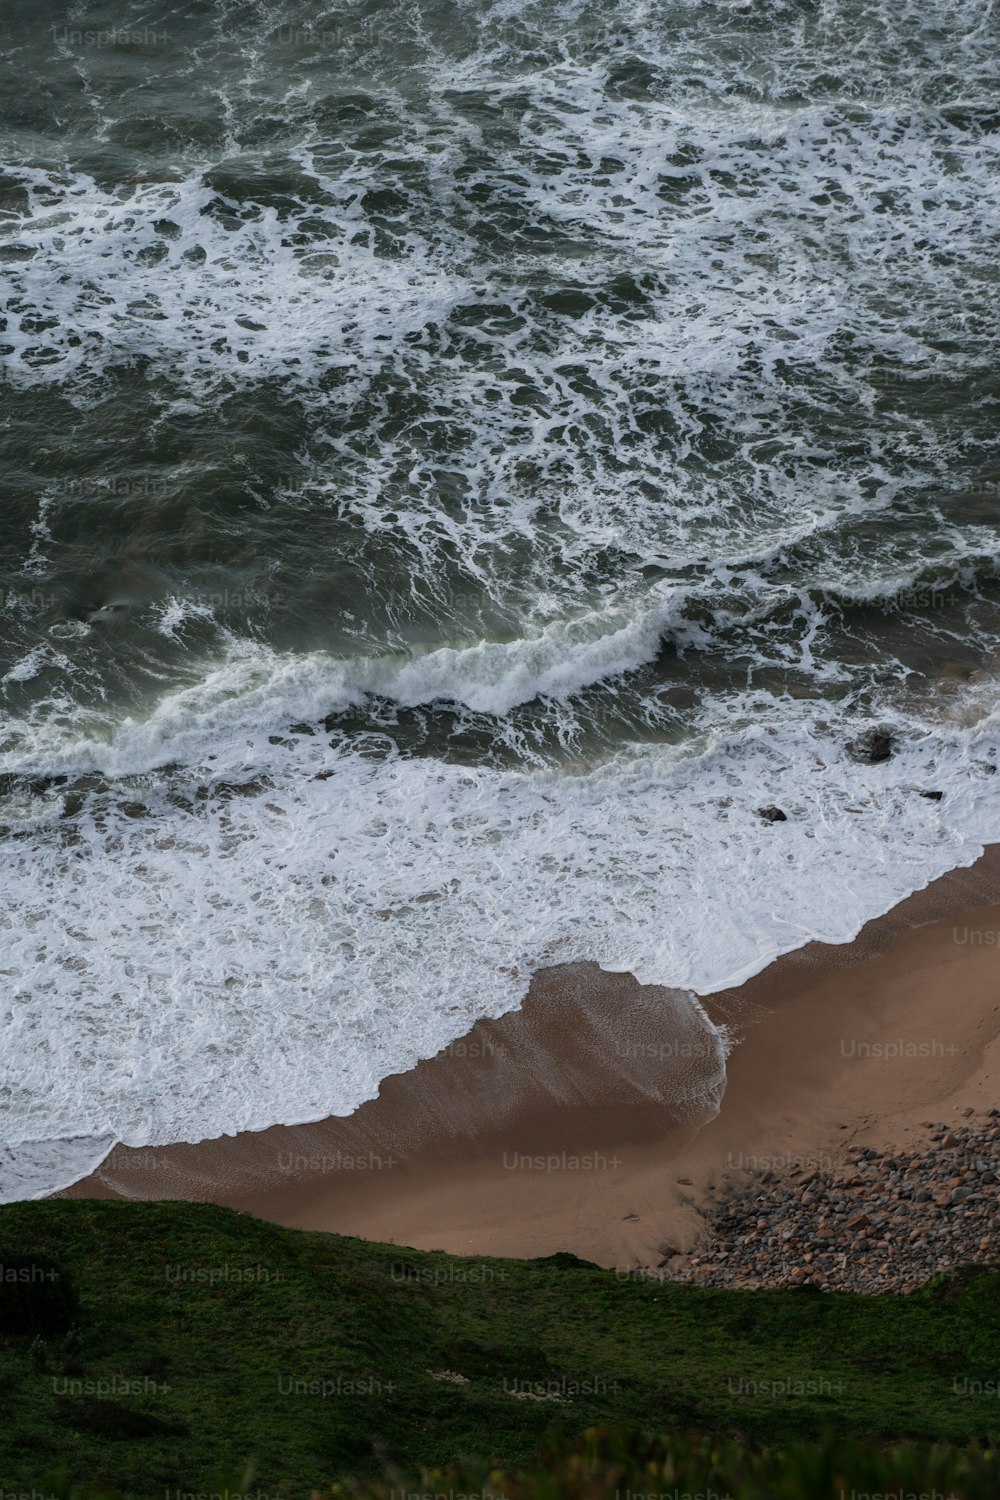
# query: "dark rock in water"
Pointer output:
{"type": "Point", "coordinates": [39, 785]}
{"type": "Point", "coordinates": [108, 616]}
{"type": "Point", "coordinates": [36, 786]}
{"type": "Point", "coordinates": [225, 791]}
{"type": "Point", "coordinates": [971, 117]}
{"type": "Point", "coordinates": [772, 815]}
{"type": "Point", "coordinates": [932, 796]}
{"type": "Point", "coordinates": [872, 747]}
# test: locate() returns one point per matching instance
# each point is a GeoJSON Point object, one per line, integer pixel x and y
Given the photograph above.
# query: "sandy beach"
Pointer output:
{"type": "Point", "coordinates": [598, 1117]}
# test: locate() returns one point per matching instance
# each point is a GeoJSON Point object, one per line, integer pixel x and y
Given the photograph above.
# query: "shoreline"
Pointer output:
{"type": "Point", "coordinates": [585, 1121]}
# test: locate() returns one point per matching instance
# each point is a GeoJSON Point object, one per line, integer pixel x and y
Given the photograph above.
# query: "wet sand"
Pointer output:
{"type": "Point", "coordinates": [598, 1116]}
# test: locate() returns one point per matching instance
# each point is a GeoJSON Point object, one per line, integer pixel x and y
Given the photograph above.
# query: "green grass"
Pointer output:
{"type": "Point", "coordinates": [212, 1356]}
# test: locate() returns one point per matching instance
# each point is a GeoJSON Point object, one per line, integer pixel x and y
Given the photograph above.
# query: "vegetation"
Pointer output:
{"type": "Point", "coordinates": [152, 1348]}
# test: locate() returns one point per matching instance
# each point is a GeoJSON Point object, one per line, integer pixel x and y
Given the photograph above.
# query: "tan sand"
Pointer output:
{"type": "Point", "coordinates": [583, 1121]}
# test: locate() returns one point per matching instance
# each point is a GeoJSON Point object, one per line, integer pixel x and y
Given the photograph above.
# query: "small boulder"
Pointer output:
{"type": "Point", "coordinates": [109, 616]}
{"type": "Point", "coordinates": [871, 748]}
{"type": "Point", "coordinates": [772, 815]}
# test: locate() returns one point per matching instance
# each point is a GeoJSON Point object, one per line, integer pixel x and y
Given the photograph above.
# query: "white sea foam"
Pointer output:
{"type": "Point", "coordinates": [229, 293]}
{"type": "Point", "coordinates": [252, 682]}
{"type": "Point", "coordinates": [182, 970]}
{"type": "Point", "coordinates": [33, 1169]}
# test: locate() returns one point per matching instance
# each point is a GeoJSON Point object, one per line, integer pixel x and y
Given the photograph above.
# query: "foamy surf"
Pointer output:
{"type": "Point", "coordinates": [302, 925]}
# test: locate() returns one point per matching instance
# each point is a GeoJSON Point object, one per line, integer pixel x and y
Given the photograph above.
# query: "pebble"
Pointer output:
{"type": "Point", "coordinates": [932, 1206]}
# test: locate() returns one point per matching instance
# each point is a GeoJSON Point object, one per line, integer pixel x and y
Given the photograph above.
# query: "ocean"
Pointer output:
{"type": "Point", "coordinates": [484, 485]}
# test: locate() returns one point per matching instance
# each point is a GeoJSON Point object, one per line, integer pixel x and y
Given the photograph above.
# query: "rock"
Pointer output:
{"type": "Point", "coordinates": [899, 1219]}
{"type": "Point", "coordinates": [39, 785]}
{"type": "Point", "coordinates": [932, 796]}
{"type": "Point", "coordinates": [109, 616]}
{"type": "Point", "coordinates": [871, 748]}
{"type": "Point", "coordinates": [772, 815]}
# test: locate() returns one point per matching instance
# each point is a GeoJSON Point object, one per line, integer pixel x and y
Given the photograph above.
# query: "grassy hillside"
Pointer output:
{"type": "Point", "coordinates": [153, 1347]}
